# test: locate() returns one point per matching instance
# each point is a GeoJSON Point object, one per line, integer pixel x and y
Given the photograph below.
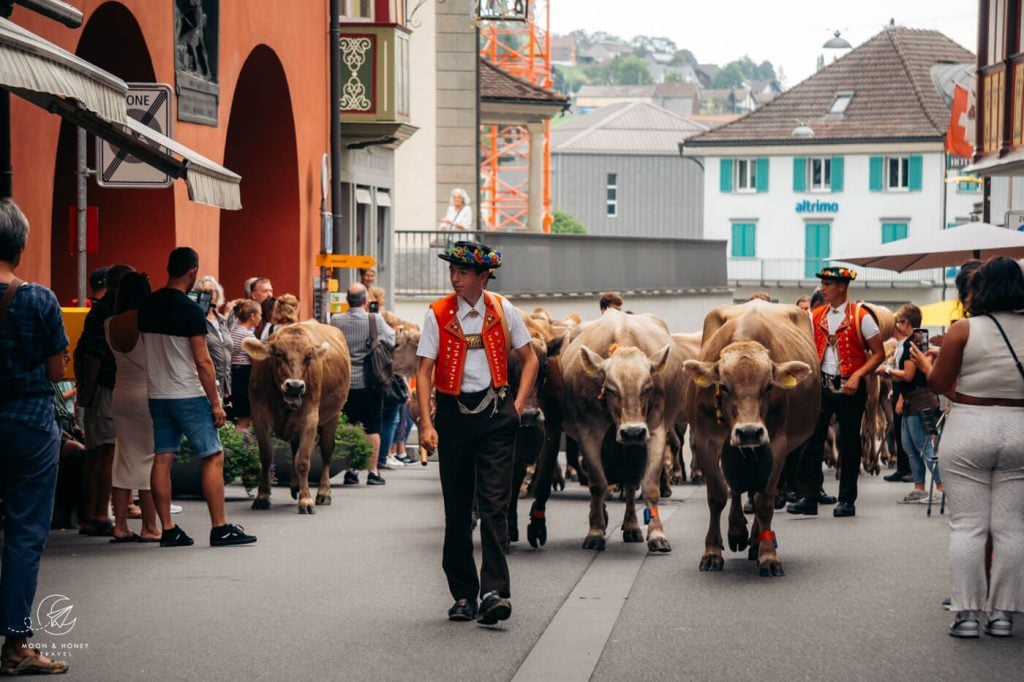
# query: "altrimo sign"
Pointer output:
{"type": "Point", "coordinates": [817, 206]}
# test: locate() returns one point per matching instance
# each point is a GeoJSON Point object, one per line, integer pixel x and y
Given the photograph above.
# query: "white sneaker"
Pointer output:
{"type": "Point", "coordinates": [177, 509]}
{"type": "Point", "coordinates": [394, 463]}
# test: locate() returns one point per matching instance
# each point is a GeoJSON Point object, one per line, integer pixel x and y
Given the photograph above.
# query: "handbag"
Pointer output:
{"type": "Point", "coordinates": [443, 240]}
{"type": "Point", "coordinates": [379, 367]}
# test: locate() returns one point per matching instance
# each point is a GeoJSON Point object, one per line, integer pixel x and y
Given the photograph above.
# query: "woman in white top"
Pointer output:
{"type": "Point", "coordinates": [982, 448]}
{"type": "Point", "coordinates": [133, 452]}
{"type": "Point", "coordinates": [459, 217]}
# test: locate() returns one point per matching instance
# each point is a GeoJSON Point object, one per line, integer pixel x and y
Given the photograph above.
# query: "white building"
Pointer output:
{"type": "Point", "coordinates": [847, 160]}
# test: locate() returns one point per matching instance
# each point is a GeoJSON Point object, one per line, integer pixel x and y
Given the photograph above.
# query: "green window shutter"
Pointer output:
{"type": "Point", "coordinates": [837, 174]}
{"type": "Point", "coordinates": [725, 181]}
{"type": "Point", "coordinates": [762, 175]}
{"type": "Point", "coordinates": [817, 246]}
{"type": "Point", "coordinates": [744, 240]}
{"type": "Point", "coordinates": [892, 232]}
{"type": "Point", "coordinates": [875, 181]}
{"type": "Point", "coordinates": [799, 174]}
{"type": "Point", "coordinates": [914, 173]}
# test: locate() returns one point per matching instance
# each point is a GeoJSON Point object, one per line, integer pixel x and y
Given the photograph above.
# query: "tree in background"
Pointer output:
{"type": "Point", "coordinates": [673, 76]}
{"type": "Point", "coordinates": [629, 70]}
{"type": "Point", "coordinates": [729, 77]}
{"type": "Point", "coordinates": [683, 56]}
{"type": "Point", "coordinates": [563, 223]}
{"type": "Point", "coordinates": [644, 45]}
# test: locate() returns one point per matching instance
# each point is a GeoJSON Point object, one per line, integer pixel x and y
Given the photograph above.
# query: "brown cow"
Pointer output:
{"type": "Point", "coordinates": [622, 377]}
{"type": "Point", "coordinates": [752, 398]}
{"type": "Point", "coordinates": [299, 383]}
{"type": "Point", "coordinates": [688, 345]}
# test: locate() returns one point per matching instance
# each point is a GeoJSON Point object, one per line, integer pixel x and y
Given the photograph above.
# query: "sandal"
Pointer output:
{"type": "Point", "coordinates": [32, 664]}
{"type": "Point", "coordinates": [134, 537]}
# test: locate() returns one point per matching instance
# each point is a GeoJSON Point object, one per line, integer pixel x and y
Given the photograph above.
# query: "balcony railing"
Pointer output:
{"type": "Point", "coordinates": [798, 271]}
{"type": "Point", "coordinates": [564, 265]}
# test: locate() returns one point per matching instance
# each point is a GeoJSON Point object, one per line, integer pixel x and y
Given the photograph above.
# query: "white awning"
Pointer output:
{"type": "Point", "coordinates": [208, 182]}
{"type": "Point", "coordinates": [86, 95]}
{"type": "Point", "coordinates": [29, 62]}
{"type": "Point", "coordinates": [383, 198]}
{"type": "Point", "coordinates": [1011, 164]}
{"type": "Point", "coordinates": [363, 196]}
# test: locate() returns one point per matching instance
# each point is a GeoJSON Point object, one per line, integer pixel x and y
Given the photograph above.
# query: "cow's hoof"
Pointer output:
{"type": "Point", "coordinates": [632, 535]}
{"type": "Point", "coordinates": [261, 503]}
{"type": "Point", "coordinates": [558, 485]}
{"type": "Point", "coordinates": [594, 543]}
{"type": "Point", "coordinates": [752, 552]}
{"type": "Point", "coordinates": [323, 499]}
{"type": "Point", "coordinates": [513, 534]}
{"type": "Point", "coordinates": [697, 480]}
{"type": "Point", "coordinates": [606, 516]}
{"type": "Point", "coordinates": [295, 493]}
{"type": "Point", "coordinates": [712, 562]}
{"type": "Point", "coordinates": [659, 545]}
{"type": "Point", "coordinates": [738, 543]}
{"type": "Point", "coordinates": [772, 570]}
{"type": "Point", "coordinates": [666, 490]}
{"type": "Point", "coordinates": [307, 509]}
{"type": "Point", "coordinates": [537, 533]}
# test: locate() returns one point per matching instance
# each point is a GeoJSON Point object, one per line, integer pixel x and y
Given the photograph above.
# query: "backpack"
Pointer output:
{"type": "Point", "coordinates": [378, 368]}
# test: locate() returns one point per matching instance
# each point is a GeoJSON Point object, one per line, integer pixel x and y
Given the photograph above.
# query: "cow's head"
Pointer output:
{"type": "Point", "coordinates": [744, 379]}
{"type": "Point", "coordinates": [533, 413]}
{"type": "Point", "coordinates": [403, 357]}
{"type": "Point", "coordinates": [630, 387]}
{"type": "Point", "coordinates": [294, 360]}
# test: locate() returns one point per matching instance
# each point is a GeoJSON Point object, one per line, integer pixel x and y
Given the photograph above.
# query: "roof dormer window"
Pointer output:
{"type": "Point", "coordinates": [840, 103]}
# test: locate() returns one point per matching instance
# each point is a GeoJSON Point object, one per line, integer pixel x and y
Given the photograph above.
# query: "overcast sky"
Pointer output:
{"type": "Point", "coordinates": [789, 33]}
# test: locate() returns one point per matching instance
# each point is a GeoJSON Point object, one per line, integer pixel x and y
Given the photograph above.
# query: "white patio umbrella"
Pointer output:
{"type": "Point", "coordinates": [942, 249]}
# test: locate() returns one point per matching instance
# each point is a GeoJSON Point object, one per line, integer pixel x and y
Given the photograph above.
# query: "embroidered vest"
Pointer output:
{"type": "Point", "coordinates": [850, 350]}
{"type": "Point", "coordinates": [453, 344]}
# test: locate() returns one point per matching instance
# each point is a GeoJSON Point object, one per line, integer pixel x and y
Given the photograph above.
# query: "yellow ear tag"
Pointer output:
{"type": "Point", "coordinates": [702, 381]}
{"type": "Point", "coordinates": [789, 381]}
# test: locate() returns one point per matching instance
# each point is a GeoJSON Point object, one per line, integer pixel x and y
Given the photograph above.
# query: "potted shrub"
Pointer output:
{"type": "Point", "coordinates": [241, 461]}
{"type": "Point", "coordinates": [352, 450]}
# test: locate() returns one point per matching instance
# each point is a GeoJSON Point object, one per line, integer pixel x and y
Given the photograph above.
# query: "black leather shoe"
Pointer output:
{"type": "Point", "coordinates": [895, 477]}
{"type": "Point", "coordinates": [824, 498]}
{"type": "Point", "coordinates": [804, 506]}
{"type": "Point", "coordinates": [907, 478]}
{"type": "Point", "coordinates": [844, 509]}
{"type": "Point", "coordinates": [351, 478]}
{"type": "Point", "coordinates": [463, 610]}
{"type": "Point", "coordinates": [493, 608]}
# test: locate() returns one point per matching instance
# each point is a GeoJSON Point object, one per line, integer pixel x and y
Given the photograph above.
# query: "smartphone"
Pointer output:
{"type": "Point", "coordinates": [204, 299]}
{"type": "Point", "coordinates": [920, 339]}
{"type": "Point", "coordinates": [374, 307]}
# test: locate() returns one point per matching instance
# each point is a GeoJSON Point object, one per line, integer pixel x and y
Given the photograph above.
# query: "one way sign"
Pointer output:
{"type": "Point", "coordinates": [148, 103]}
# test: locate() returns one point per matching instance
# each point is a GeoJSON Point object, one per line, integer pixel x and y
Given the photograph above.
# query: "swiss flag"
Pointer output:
{"type": "Point", "coordinates": [960, 134]}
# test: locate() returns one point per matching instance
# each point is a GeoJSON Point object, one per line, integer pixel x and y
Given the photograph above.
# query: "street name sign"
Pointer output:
{"type": "Point", "coordinates": [150, 104]}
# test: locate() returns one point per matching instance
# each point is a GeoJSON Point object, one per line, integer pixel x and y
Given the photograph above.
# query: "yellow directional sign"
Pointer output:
{"type": "Point", "coordinates": [337, 260]}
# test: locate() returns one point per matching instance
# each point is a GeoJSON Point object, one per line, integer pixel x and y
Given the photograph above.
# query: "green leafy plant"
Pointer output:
{"type": "Point", "coordinates": [351, 440]}
{"type": "Point", "coordinates": [241, 456]}
{"type": "Point", "coordinates": [563, 223]}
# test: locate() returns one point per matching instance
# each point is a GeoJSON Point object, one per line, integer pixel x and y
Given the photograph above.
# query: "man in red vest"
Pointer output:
{"type": "Point", "coordinates": [849, 348]}
{"type": "Point", "coordinates": [463, 350]}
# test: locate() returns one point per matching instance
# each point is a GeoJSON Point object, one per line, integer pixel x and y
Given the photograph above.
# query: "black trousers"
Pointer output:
{"type": "Point", "coordinates": [849, 412]}
{"type": "Point", "coordinates": [475, 453]}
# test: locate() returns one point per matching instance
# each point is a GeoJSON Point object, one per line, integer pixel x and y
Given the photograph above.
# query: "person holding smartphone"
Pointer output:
{"type": "Point", "coordinates": [915, 400]}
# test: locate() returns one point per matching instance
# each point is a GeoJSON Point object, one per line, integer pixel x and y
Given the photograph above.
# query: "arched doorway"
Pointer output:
{"type": "Point", "coordinates": [262, 239]}
{"type": "Point", "coordinates": [136, 226]}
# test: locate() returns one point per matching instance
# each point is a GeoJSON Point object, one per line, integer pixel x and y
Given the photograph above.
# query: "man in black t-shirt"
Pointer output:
{"type": "Point", "coordinates": [183, 398]}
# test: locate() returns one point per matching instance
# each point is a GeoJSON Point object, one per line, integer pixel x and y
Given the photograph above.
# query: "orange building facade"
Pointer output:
{"type": "Point", "coordinates": [272, 128]}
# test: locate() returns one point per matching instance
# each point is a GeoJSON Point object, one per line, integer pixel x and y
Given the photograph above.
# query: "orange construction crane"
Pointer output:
{"type": "Point", "coordinates": [522, 49]}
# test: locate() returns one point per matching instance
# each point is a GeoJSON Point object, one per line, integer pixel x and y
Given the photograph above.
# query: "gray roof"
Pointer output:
{"type": "Point", "coordinates": [616, 91]}
{"type": "Point", "coordinates": [624, 128]}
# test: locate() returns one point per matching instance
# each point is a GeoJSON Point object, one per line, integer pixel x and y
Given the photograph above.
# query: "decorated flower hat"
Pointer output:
{"type": "Point", "coordinates": [472, 255]}
{"type": "Point", "coordinates": [837, 273]}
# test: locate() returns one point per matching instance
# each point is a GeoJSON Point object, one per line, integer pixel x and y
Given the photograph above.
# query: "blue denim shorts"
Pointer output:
{"type": "Point", "coordinates": [189, 417]}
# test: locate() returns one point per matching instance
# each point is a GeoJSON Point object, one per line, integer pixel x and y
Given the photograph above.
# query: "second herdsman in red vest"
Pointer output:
{"type": "Point", "coordinates": [849, 349]}
{"type": "Point", "coordinates": [463, 351]}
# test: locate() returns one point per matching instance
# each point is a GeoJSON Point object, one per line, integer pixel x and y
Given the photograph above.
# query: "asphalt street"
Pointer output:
{"type": "Point", "coordinates": [356, 592]}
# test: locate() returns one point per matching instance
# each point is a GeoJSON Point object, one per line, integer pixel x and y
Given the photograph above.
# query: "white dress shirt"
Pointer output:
{"type": "Point", "coordinates": [476, 375]}
{"type": "Point", "coordinates": [834, 318]}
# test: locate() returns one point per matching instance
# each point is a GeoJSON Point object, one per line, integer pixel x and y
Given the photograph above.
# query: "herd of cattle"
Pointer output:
{"type": "Point", "coordinates": [622, 391]}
